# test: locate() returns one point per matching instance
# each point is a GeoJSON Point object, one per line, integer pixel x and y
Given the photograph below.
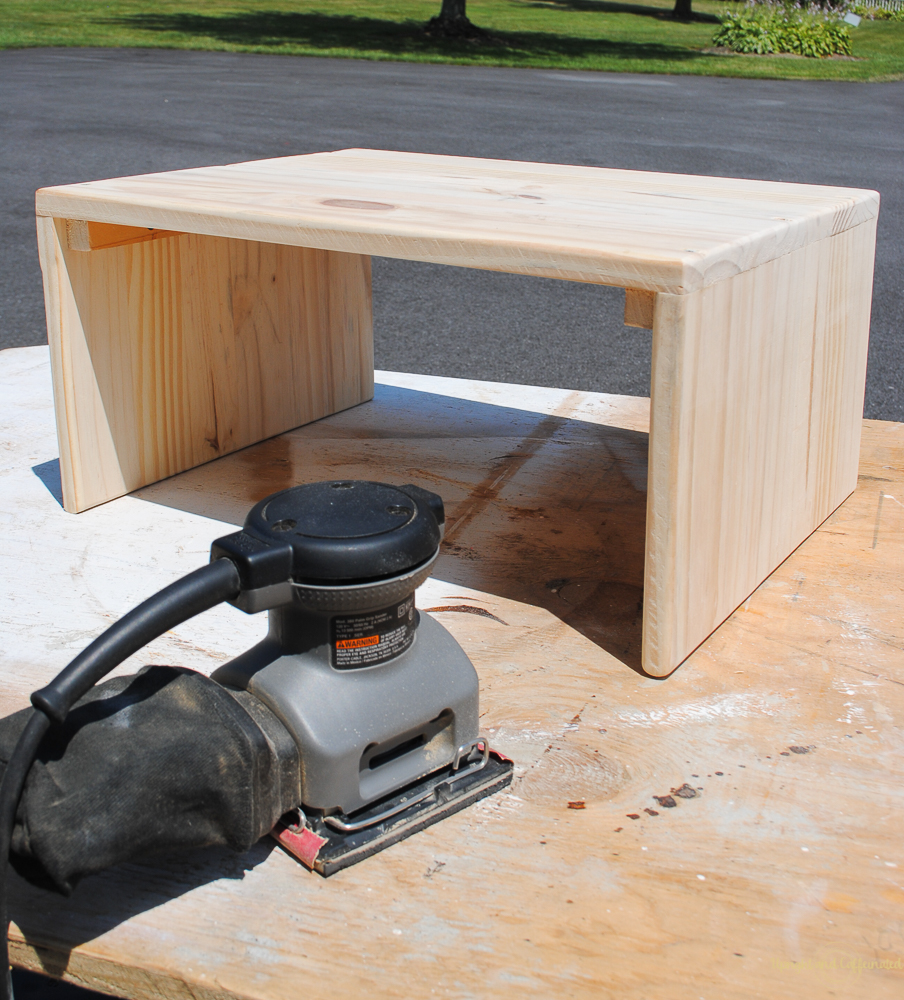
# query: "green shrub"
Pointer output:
{"type": "Point", "coordinates": [871, 13]}
{"type": "Point", "coordinates": [771, 28]}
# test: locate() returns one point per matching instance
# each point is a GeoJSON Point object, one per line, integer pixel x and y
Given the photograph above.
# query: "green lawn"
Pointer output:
{"type": "Point", "coordinates": [565, 34]}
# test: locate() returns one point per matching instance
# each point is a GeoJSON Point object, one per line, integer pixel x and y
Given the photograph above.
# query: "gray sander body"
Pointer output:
{"type": "Point", "coordinates": [375, 696]}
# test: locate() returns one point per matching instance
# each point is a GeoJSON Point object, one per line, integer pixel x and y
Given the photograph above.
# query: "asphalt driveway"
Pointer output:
{"type": "Point", "coordinates": [81, 114]}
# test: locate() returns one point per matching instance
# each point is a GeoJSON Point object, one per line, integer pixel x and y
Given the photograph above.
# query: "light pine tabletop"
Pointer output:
{"type": "Point", "coordinates": [661, 232]}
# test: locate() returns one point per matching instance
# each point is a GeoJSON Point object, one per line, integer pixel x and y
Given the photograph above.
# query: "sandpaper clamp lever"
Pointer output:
{"type": "Point", "coordinates": [435, 792]}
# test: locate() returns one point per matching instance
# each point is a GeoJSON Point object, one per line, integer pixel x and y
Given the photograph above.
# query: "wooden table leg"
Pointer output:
{"type": "Point", "coordinates": [757, 399]}
{"type": "Point", "coordinates": [169, 350]}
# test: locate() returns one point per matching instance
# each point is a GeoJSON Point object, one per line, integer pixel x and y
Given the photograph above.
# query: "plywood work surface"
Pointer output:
{"type": "Point", "coordinates": [781, 876]}
{"type": "Point", "coordinates": [662, 232]}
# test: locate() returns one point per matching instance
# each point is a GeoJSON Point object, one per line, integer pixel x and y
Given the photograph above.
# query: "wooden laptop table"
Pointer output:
{"type": "Point", "coordinates": [781, 878]}
{"type": "Point", "coordinates": [196, 312]}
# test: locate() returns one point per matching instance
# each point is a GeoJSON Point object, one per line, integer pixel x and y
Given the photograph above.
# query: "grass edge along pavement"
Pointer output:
{"type": "Point", "coordinates": [600, 35]}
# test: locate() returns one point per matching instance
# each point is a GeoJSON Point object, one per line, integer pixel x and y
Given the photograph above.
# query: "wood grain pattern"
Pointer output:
{"type": "Point", "coordinates": [171, 352]}
{"type": "Point", "coordinates": [781, 878]}
{"type": "Point", "coordinates": [757, 392]}
{"type": "Point", "coordinates": [662, 232]}
{"type": "Point", "coordinates": [639, 308]}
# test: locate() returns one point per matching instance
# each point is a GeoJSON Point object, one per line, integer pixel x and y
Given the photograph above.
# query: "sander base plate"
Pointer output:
{"type": "Point", "coordinates": [326, 850]}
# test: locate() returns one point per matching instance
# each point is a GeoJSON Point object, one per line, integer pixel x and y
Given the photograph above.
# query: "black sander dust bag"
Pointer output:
{"type": "Point", "coordinates": [164, 760]}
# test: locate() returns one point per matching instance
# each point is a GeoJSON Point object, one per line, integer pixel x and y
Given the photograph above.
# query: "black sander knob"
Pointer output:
{"type": "Point", "coordinates": [334, 533]}
{"type": "Point", "coordinates": [350, 530]}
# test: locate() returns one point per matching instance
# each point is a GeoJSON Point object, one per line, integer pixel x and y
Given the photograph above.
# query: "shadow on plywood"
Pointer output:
{"type": "Point", "coordinates": [53, 925]}
{"type": "Point", "coordinates": [543, 509]}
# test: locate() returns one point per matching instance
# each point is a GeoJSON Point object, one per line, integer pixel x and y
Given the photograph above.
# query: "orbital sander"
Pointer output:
{"type": "Point", "coordinates": [382, 704]}
{"type": "Point", "coordinates": [351, 726]}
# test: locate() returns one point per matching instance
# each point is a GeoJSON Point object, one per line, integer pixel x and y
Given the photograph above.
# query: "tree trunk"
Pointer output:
{"type": "Point", "coordinates": [452, 22]}
{"type": "Point", "coordinates": [453, 10]}
{"type": "Point", "coordinates": [682, 11]}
